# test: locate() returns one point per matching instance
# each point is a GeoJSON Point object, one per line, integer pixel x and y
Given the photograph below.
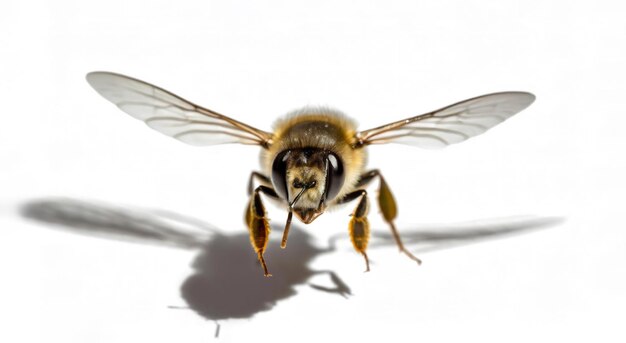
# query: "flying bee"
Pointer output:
{"type": "Point", "coordinates": [315, 158]}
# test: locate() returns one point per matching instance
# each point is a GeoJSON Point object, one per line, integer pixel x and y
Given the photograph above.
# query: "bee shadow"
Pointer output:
{"type": "Point", "coordinates": [431, 237]}
{"type": "Point", "coordinates": [227, 281]}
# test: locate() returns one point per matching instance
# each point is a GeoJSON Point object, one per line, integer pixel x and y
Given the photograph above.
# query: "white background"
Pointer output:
{"type": "Point", "coordinates": [377, 62]}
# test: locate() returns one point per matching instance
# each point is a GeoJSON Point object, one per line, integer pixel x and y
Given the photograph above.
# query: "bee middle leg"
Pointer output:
{"type": "Point", "coordinates": [258, 224]}
{"type": "Point", "coordinates": [388, 207]}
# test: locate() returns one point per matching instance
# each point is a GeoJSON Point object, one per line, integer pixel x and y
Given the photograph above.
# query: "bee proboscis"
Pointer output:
{"type": "Point", "coordinates": [315, 157]}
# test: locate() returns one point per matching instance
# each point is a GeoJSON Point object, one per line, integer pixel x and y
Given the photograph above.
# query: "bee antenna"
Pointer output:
{"type": "Point", "coordinates": [283, 243]}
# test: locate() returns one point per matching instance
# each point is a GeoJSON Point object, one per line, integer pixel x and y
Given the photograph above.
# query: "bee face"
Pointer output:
{"type": "Point", "coordinates": [307, 178]}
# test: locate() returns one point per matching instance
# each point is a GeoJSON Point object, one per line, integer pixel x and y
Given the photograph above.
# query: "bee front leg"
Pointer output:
{"type": "Point", "coordinates": [388, 207]}
{"type": "Point", "coordinates": [258, 224]}
{"type": "Point", "coordinates": [359, 226]}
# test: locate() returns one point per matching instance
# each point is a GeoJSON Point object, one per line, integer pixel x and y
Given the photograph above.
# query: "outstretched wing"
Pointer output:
{"type": "Point", "coordinates": [449, 125]}
{"type": "Point", "coordinates": [173, 115]}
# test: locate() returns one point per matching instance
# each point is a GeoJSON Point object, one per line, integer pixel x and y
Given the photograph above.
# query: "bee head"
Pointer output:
{"type": "Point", "coordinates": [307, 178]}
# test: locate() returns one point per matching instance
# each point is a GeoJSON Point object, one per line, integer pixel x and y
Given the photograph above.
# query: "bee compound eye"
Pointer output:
{"type": "Point", "coordinates": [334, 176]}
{"type": "Point", "coordinates": [279, 173]}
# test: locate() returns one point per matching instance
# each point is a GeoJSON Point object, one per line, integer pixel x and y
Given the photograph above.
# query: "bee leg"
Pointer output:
{"type": "Point", "coordinates": [264, 179]}
{"type": "Point", "coordinates": [388, 208]}
{"type": "Point", "coordinates": [367, 177]}
{"type": "Point", "coordinates": [359, 226]}
{"type": "Point", "coordinates": [258, 224]}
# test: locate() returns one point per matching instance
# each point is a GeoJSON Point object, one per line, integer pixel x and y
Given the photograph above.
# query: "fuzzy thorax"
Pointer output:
{"type": "Point", "coordinates": [319, 128]}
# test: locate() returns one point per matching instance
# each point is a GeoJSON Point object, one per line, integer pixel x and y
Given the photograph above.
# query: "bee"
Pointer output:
{"type": "Point", "coordinates": [315, 157]}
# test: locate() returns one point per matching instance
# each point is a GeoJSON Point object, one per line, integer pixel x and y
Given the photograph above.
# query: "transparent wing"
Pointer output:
{"type": "Point", "coordinates": [173, 115]}
{"type": "Point", "coordinates": [452, 124]}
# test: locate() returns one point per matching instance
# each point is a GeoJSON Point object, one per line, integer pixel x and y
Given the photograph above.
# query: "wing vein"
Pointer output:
{"type": "Point", "coordinates": [172, 115]}
{"type": "Point", "coordinates": [451, 124]}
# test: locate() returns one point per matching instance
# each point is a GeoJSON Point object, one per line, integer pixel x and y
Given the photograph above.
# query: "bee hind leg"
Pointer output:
{"type": "Point", "coordinates": [388, 207]}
